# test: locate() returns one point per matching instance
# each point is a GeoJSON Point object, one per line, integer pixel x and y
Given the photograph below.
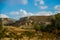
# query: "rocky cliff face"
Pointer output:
{"type": "Point", "coordinates": [41, 18]}
{"type": "Point", "coordinates": [32, 19]}
{"type": "Point", "coordinates": [26, 20]}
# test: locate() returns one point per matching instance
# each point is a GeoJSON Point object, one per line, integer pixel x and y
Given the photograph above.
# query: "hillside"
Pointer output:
{"type": "Point", "coordinates": [26, 22]}
{"type": "Point", "coordinates": [41, 18]}
{"type": "Point", "coordinates": [32, 19]}
{"type": "Point", "coordinates": [25, 27]}
{"type": "Point", "coordinates": [5, 21]}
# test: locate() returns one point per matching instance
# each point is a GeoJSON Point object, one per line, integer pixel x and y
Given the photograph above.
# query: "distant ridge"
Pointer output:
{"type": "Point", "coordinates": [29, 19]}
{"type": "Point", "coordinates": [7, 20]}
{"type": "Point", "coordinates": [26, 20]}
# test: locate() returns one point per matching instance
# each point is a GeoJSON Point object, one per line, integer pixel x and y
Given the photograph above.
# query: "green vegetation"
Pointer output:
{"type": "Point", "coordinates": [55, 25]}
{"type": "Point", "coordinates": [39, 27]}
{"type": "Point", "coordinates": [1, 28]}
{"type": "Point", "coordinates": [42, 30]}
{"type": "Point", "coordinates": [57, 21]}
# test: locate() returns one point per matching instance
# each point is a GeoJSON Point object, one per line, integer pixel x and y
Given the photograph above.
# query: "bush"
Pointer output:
{"type": "Point", "coordinates": [39, 27]}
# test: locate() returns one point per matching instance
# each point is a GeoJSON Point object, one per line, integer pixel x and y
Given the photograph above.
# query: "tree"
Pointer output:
{"type": "Point", "coordinates": [57, 22]}
{"type": "Point", "coordinates": [39, 27]}
{"type": "Point", "coordinates": [0, 28]}
{"type": "Point", "coordinates": [1, 25]}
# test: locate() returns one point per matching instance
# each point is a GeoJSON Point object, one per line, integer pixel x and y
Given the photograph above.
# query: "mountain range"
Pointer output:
{"type": "Point", "coordinates": [25, 20]}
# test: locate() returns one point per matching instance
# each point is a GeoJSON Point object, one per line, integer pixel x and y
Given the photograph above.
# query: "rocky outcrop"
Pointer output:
{"type": "Point", "coordinates": [6, 21]}
{"type": "Point", "coordinates": [28, 20]}
{"type": "Point", "coordinates": [32, 19]}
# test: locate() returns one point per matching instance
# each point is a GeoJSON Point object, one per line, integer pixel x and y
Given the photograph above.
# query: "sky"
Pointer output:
{"type": "Point", "coordinates": [21, 8]}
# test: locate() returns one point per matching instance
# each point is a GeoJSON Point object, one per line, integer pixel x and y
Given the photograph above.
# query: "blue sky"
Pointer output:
{"type": "Point", "coordinates": [21, 8]}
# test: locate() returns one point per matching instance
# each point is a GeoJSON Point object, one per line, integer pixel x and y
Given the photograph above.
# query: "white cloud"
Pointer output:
{"type": "Point", "coordinates": [57, 12]}
{"type": "Point", "coordinates": [23, 12]}
{"type": "Point", "coordinates": [3, 16]}
{"type": "Point", "coordinates": [31, 13]}
{"type": "Point", "coordinates": [41, 2]}
{"type": "Point", "coordinates": [14, 13]}
{"type": "Point", "coordinates": [57, 7]}
{"type": "Point", "coordinates": [44, 13]}
{"type": "Point", "coordinates": [43, 7]}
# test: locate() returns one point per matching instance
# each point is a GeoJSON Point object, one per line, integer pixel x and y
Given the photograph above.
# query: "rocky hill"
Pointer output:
{"type": "Point", "coordinates": [26, 20]}
{"type": "Point", "coordinates": [31, 19]}
{"type": "Point", "coordinates": [5, 21]}
{"type": "Point", "coordinates": [40, 18]}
